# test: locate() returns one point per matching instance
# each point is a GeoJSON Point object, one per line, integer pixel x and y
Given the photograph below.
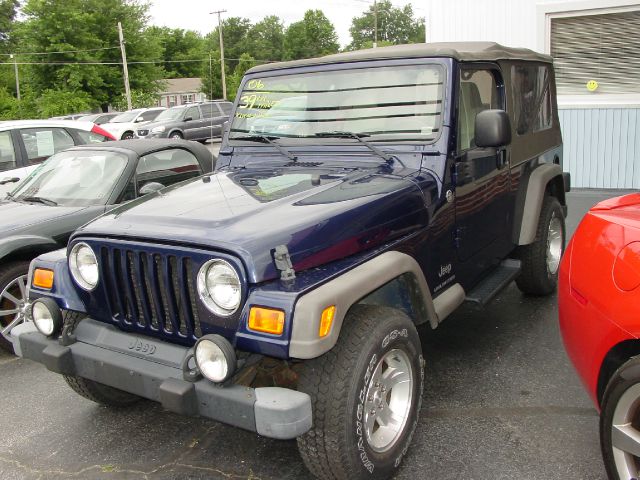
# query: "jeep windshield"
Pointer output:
{"type": "Point", "coordinates": [383, 103]}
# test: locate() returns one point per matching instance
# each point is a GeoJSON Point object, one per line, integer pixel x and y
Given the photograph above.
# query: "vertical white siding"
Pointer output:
{"type": "Point", "coordinates": [602, 147]}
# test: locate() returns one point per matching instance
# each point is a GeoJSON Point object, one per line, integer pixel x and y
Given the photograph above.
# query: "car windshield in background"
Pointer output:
{"type": "Point", "coordinates": [125, 117]}
{"type": "Point", "coordinates": [386, 103]}
{"type": "Point", "coordinates": [73, 178]}
{"type": "Point", "coordinates": [170, 114]}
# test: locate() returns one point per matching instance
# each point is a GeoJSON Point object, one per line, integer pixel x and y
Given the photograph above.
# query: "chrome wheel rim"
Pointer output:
{"type": "Point", "coordinates": [554, 244]}
{"type": "Point", "coordinates": [13, 304]}
{"type": "Point", "coordinates": [388, 400]}
{"type": "Point", "coordinates": [625, 436]}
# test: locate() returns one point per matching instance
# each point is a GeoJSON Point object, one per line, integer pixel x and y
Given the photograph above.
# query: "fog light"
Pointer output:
{"type": "Point", "coordinates": [215, 358]}
{"type": "Point", "coordinates": [46, 316]}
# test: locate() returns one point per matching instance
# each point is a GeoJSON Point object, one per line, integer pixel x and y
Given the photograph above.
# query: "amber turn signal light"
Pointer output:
{"type": "Point", "coordinates": [326, 320]}
{"type": "Point", "coordinates": [266, 320]}
{"type": "Point", "coordinates": [42, 278]}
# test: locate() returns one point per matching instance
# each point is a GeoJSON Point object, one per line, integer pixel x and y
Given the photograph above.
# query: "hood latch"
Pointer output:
{"type": "Point", "coordinates": [283, 263]}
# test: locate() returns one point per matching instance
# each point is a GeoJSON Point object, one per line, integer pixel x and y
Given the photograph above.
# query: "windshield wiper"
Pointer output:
{"type": "Point", "coordinates": [358, 136]}
{"type": "Point", "coordinates": [270, 141]}
{"type": "Point", "coordinates": [44, 201]}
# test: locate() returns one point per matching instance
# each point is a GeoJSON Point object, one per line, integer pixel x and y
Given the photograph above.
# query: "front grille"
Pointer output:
{"type": "Point", "coordinates": [151, 291]}
{"type": "Point", "coordinates": [143, 133]}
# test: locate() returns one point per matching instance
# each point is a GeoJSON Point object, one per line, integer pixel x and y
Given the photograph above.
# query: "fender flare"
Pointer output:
{"type": "Point", "coordinates": [26, 243]}
{"type": "Point", "coordinates": [535, 192]}
{"type": "Point", "coordinates": [349, 288]}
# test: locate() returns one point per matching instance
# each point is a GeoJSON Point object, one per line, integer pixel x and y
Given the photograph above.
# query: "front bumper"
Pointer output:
{"type": "Point", "coordinates": [153, 369]}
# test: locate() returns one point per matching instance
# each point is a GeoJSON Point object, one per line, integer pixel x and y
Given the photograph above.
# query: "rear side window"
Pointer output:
{"type": "Point", "coordinates": [208, 110]}
{"type": "Point", "coordinates": [531, 98]}
{"type": "Point", "coordinates": [167, 167]}
{"type": "Point", "coordinates": [91, 137]}
{"type": "Point", "coordinates": [7, 153]}
{"type": "Point", "coordinates": [43, 142]}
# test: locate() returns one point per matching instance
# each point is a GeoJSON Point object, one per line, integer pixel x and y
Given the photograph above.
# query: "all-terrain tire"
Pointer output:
{"type": "Point", "coordinates": [536, 278]}
{"type": "Point", "coordinates": [94, 391]}
{"type": "Point", "coordinates": [626, 378]}
{"type": "Point", "coordinates": [337, 446]}
{"type": "Point", "coordinates": [9, 272]}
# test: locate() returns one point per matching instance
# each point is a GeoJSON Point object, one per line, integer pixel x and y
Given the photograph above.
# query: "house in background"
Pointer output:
{"type": "Point", "coordinates": [596, 50]}
{"type": "Point", "coordinates": [178, 91]}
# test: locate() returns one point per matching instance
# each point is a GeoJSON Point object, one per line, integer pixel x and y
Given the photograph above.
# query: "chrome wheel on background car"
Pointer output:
{"type": "Point", "coordinates": [555, 244]}
{"type": "Point", "coordinates": [13, 303]}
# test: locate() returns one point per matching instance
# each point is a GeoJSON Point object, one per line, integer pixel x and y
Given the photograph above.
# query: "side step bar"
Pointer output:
{"type": "Point", "coordinates": [493, 283]}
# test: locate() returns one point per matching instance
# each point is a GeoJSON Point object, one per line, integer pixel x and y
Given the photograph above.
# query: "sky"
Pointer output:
{"type": "Point", "coordinates": [194, 14]}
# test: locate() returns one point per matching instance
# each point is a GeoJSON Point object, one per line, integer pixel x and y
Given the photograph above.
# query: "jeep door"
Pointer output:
{"type": "Point", "coordinates": [482, 175]}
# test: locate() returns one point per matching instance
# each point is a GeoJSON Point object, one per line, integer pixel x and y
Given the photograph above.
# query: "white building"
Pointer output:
{"type": "Point", "coordinates": [596, 47]}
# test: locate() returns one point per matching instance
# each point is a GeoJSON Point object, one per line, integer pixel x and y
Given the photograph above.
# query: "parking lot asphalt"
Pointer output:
{"type": "Point", "coordinates": [501, 401]}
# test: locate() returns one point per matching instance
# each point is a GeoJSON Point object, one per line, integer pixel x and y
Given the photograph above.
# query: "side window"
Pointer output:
{"type": "Point", "coordinates": [531, 98]}
{"type": "Point", "coordinates": [90, 137]}
{"type": "Point", "coordinates": [7, 153]}
{"type": "Point", "coordinates": [41, 143]}
{"type": "Point", "coordinates": [478, 92]}
{"type": "Point", "coordinates": [151, 115]}
{"type": "Point", "coordinates": [208, 110]}
{"type": "Point", "coordinates": [193, 112]}
{"type": "Point", "coordinates": [167, 167]}
{"type": "Point", "coordinates": [226, 108]}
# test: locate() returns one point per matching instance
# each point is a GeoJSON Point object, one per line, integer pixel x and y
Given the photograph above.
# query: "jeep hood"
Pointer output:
{"type": "Point", "coordinates": [320, 215]}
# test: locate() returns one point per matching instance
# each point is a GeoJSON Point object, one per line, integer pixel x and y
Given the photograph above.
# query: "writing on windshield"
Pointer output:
{"type": "Point", "coordinates": [397, 102]}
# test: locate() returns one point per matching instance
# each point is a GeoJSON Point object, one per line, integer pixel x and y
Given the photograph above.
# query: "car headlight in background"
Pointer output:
{"type": "Point", "coordinates": [47, 316]}
{"type": "Point", "coordinates": [158, 129]}
{"type": "Point", "coordinates": [219, 287]}
{"type": "Point", "coordinates": [215, 358]}
{"type": "Point", "coordinates": [84, 266]}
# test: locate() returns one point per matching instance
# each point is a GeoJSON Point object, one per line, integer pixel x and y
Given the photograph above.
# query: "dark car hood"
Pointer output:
{"type": "Point", "coordinates": [18, 216]}
{"type": "Point", "coordinates": [247, 212]}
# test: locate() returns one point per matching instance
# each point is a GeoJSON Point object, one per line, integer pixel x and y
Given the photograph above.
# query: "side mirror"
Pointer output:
{"type": "Point", "coordinates": [150, 187]}
{"type": "Point", "coordinates": [493, 129]}
{"type": "Point", "coordinates": [188, 119]}
{"type": "Point", "coordinates": [139, 119]}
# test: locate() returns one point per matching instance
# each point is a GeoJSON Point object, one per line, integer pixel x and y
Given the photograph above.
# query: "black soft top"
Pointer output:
{"type": "Point", "coordinates": [140, 147]}
{"type": "Point", "coordinates": [461, 51]}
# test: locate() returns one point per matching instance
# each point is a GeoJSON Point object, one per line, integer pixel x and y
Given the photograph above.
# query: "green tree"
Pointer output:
{"type": "Point", "coordinates": [53, 26]}
{"type": "Point", "coordinates": [139, 99]}
{"type": "Point", "coordinates": [178, 44]}
{"type": "Point", "coordinates": [234, 37]}
{"type": "Point", "coordinates": [233, 82]}
{"type": "Point", "coordinates": [312, 36]}
{"type": "Point", "coordinates": [8, 10]}
{"type": "Point", "coordinates": [265, 39]}
{"type": "Point", "coordinates": [396, 25]}
{"type": "Point", "coordinates": [211, 77]}
{"type": "Point", "coordinates": [52, 102]}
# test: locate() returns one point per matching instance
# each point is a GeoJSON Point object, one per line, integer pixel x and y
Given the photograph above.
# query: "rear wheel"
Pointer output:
{"type": "Point", "coordinates": [13, 299]}
{"type": "Point", "coordinates": [366, 394]}
{"type": "Point", "coordinates": [541, 259]}
{"type": "Point", "coordinates": [620, 423]}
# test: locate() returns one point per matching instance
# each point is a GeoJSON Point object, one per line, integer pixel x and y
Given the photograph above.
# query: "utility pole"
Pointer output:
{"type": "Point", "coordinates": [375, 27]}
{"type": "Point", "coordinates": [127, 90]}
{"type": "Point", "coordinates": [15, 69]}
{"type": "Point", "coordinates": [224, 81]}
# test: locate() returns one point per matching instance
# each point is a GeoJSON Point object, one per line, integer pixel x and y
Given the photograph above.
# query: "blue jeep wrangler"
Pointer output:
{"type": "Point", "coordinates": [356, 196]}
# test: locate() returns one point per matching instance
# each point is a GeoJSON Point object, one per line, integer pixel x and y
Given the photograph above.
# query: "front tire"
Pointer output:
{"type": "Point", "coordinates": [13, 298]}
{"type": "Point", "coordinates": [176, 136]}
{"type": "Point", "coordinates": [127, 136]}
{"type": "Point", "coordinates": [366, 394]}
{"type": "Point", "coordinates": [620, 423]}
{"type": "Point", "coordinates": [541, 259]}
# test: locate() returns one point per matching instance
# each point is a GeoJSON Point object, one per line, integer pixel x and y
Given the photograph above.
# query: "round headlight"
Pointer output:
{"type": "Point", "coordinates": [47, 316]}
{"type": "Point", "coordinates": [215, 358]}
{"type": "Point", "coordinates": [219, 287]}
{"type": "Point", "coordinates": [84, 266]}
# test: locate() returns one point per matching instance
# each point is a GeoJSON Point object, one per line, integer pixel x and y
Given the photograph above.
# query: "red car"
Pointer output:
{"type": "Point", "coordinates": [599, 305]}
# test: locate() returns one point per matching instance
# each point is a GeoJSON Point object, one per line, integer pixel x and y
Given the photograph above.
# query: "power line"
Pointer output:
{"type": "Point", "coordinates": [62, 51]}
{"type": "Point", "coordinates": [133, 62]}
